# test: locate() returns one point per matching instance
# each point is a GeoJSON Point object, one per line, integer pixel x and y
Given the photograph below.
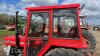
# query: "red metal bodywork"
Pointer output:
{"type": "Point", "coordinates": [11, 40]}
{"type": "Point", "coordinates": [72, 43]}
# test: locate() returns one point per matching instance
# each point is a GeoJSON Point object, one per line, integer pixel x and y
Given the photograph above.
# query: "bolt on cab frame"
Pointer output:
{"type": "Point", "coordinates": [52, 26]}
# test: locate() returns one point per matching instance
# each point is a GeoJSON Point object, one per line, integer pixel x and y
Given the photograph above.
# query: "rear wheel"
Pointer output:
{"type": "Point", "coordinates": [91, 40]}
{"type": "Point", "coordinates": [63, 52]}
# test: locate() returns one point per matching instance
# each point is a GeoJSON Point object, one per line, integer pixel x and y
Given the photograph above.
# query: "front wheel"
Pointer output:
{"type": "Point", "coordinates": [63, 52]}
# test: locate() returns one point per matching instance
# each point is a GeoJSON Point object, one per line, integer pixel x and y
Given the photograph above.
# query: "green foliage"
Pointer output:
{"type": "Point", "coordinates": [21, 23]}
{"type": "Point", "coordinates": [6, 19]}
{"type": "Point", "coordinates": [10, 19]}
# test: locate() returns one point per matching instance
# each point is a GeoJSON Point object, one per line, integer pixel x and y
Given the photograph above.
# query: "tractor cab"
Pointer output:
{"type": "Point", "coordinates": [51, 31]}
{"type": "Point", "coordinates": [52, 26]}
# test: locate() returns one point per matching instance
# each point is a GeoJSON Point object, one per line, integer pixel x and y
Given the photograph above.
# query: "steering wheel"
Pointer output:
{"type": "Point", "coordinates": [72, 28]}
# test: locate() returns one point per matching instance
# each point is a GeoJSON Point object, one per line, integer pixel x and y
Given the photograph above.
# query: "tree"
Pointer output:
{"type": "Point", "coordinates": [6, 19]}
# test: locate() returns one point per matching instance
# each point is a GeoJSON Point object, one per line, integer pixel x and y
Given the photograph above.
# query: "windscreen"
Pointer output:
{"type": "Point", "coordinates": [65, 23]}
{"type": "Point", "coordinates": [39, 24]}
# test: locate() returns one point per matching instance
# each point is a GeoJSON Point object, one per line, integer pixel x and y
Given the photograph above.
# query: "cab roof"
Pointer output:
{"type": "Point", "coordinates": [53, 7]}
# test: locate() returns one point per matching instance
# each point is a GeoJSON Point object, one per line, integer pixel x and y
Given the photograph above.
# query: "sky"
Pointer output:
{"type": "Point", "coordinates": [91, 9]}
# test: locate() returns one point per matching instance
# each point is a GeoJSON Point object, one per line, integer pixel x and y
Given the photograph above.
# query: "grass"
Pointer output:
{"type": "Point", "coordinates": [4, 33]}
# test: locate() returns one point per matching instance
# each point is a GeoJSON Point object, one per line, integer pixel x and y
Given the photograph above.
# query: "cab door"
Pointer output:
{"type": "Point", "coordinates": [38, 34]}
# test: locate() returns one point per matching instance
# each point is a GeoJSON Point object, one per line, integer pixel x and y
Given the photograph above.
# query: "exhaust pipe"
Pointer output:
{"type": "Point", "coordinates": [16, 30]}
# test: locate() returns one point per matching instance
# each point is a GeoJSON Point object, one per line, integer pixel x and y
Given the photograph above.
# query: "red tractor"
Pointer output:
{"type": "Point", "coordinates": [51, 31]}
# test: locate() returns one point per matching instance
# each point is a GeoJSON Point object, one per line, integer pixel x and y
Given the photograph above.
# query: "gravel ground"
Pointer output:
{"type": "Point", "coordinates": [97, 36]}
{"type": "Point", "coordinates": [97, 51]}
{"type": "Point", "coordinates": [1, 51]}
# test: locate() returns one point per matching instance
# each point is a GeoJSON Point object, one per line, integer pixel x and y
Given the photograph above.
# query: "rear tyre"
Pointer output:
{"type": "Point", "coordinates": [91, 39]}
{"type": "Point", "coordinates": [63, 52]}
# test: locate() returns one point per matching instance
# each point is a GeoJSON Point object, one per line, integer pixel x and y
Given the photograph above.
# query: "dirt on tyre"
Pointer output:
{"type": "Point", "coordinates": [63, 52]}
